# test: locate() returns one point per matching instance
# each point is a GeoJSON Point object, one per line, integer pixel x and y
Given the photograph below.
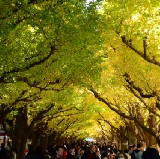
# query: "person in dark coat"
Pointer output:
{"type": "Point", "coordinates": [31, 152]}
{"type": "Point", "coordinates": [39, 153]}
{"type": "Point", "coordinates": [58, 153]}
{"type": "Point", "coordinates": [71, 153]}
{"type": "Point", "coordinates": [91, 154]}
{"type": "Point", "coordinates": [5, 154]}
{"type": "Point", "coordinates": [137, 154]}
{"type": "Point", "coordinates": [151, 153]}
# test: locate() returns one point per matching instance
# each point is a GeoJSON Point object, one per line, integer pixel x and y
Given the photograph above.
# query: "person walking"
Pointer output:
{"type": "Point", "coordinates": [137, 154]}
{"type": "Point", "coordinates": [150, 153]}
{"type": "Point", "coordinates": [91, 154]}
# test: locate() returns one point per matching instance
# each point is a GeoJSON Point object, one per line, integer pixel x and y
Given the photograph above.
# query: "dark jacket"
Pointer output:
{"type": "Point", "coordinates": [38, 156]}
{"type": "Point", "coordinates": [137, 154]}
{"type": "Point", "coordinates": [88, 154]}
{"type": "Point", "coordinates": [6, 154]}
{"type": "Point", "coordinates": [70, 156]}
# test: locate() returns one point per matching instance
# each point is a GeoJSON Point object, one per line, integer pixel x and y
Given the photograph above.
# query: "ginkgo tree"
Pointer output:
{"type": "Point", "coordinates": [132, 42]}
{"type": "Point", "coordinates": [50, 50]}
{"type": "Point", "coordinates": [45, 47]}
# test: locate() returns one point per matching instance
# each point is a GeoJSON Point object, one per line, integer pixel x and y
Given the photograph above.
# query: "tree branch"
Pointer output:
{"type": "Point", "coordinates": [143, 55]}
{"type": "Point", "coordinates": [40, 116]}
{"type": "Point", "coordinates": [150, 131]}
{"type": "Point", "coordinates": [31, 65]}
{"type": "Point", "coordinates": [132, 88]}
{"type": "Point", "coordinates": [145, 47]}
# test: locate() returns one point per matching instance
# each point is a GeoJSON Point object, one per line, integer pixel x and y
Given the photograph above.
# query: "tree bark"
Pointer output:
{"type": "Point", "coordinates": [21, 133]}
{"type": "Point", "coordinates": [44, 141]}
{"type": "Point", "coordinates": [36, 139]}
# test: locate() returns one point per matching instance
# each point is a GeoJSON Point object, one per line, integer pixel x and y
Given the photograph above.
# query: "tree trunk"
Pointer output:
{"type": "Point", "coordinates": [152, 125]}
{"type": "Point", "coordinates": [44, 141]}
{"type": "Point", "coordinates": [21, 133]}
{"type": "Point", "coordinates": [36, 138]}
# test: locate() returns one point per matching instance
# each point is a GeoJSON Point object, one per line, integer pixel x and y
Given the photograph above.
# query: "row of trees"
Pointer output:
{"type": "Point", "coordinates": [46, 50]}
{"type": "Point", "coordinates": [60, 58]}
{"type": "Point", "coordinates": [132, 79]}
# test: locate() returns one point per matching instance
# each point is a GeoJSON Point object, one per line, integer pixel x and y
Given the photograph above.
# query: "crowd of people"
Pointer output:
{"type": "Point", "coordinates": [94, 151]}
{"type": "Point", "coordinates": [85, 150]}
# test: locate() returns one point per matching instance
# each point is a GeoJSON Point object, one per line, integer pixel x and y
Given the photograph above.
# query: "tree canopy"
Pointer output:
{"type": "Point", "coordinates": [76, 70]}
